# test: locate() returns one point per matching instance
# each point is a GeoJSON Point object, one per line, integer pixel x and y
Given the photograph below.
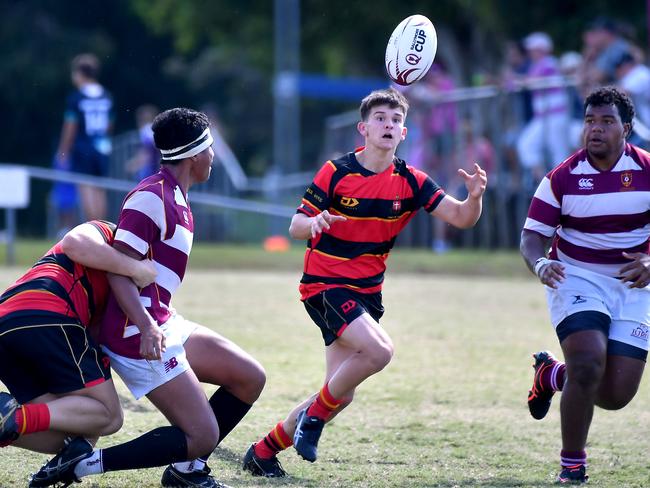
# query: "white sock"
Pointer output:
{"type": "Point", "coordinates": [90, 465]}
{"type": "Point", "coordinates": [189, 466]}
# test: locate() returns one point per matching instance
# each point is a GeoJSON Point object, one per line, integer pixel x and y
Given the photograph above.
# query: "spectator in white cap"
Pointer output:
{"type": "Point", "coordinates": [539, 41]}
{"type": "Point", "coordinates": [544, 142]}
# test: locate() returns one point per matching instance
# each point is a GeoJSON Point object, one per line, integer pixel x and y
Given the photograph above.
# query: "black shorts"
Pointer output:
{"type": "Point", "coordinates": [592, 320]}
{"type": "Point", "coordinates": [332, 310]}
{"type": "Point", "coordinates": [53, 357]}
{"type": "Point", "coordinates": [86, 159]}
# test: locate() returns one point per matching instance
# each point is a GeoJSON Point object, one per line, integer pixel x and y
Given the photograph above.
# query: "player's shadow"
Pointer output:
{"type": "Point", "coordinates": [245, 479]}
{"type": "Point", "coordinates": [493, 483]}
{"type": "Point", "coordinates": [235, 459]}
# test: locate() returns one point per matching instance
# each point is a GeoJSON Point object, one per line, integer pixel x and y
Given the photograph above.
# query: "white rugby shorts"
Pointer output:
{"type": "Point", "coordinates": [584, 290]}
{"type": "Point", "coordinates": [141, 376]}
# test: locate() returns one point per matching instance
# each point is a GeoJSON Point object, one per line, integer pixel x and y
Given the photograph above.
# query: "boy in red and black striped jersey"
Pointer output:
{"type": "Point", "coordinates": [59, 379]}
{"type": "Point", "coordinates": [351, 215]}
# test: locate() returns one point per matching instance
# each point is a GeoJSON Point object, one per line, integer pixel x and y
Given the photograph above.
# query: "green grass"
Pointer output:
{"type": "Point", "coordinates": [248, 256]}
{"type": "Point", "coordinates": [449, 411]}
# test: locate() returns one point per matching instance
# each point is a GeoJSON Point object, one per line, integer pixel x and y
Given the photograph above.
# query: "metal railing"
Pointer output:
{"type": "Point", "coordinates": [490, 114]}
{"type": "Point", "coordinates": [236, 208]}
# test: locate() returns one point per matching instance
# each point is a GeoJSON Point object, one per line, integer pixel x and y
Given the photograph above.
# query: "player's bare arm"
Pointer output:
{"type": "Point", "coordinates": [152, 340]}
{"type": "Point", "coordinates": [304, 227]}
{"type": "Point", "coordinates": [68, 134]}
{"type": "Point", "coordinates": [637, 271]}
{"type": "Point", "coordinates": [85, 245]}
{"type": "Point", "coordinates": [465, 214]}
{"type": "Point", "coordinates": [533, 249]}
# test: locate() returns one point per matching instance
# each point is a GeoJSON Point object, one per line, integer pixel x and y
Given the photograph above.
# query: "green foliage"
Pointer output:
{"type": "Point", "coordinates": [249, 257]}
{"type": "Point", "coordinates": [197, 52]}
{"type": "Point", "coordinates": [243, 29]}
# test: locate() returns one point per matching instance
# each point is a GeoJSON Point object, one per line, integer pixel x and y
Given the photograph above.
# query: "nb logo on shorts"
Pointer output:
{"type": "Point", "coordinates": [641, 332]}
{"type": "Point", "coordinates": [586, 183]}
{"type": "Point", "coordinates": [349, 305]}
{"type": "Point", "coordinates": [578, 299]}
{"type": "Point", "coordinates": [171, 364]}
{"type": "Point", "coordinates": [106, 361]}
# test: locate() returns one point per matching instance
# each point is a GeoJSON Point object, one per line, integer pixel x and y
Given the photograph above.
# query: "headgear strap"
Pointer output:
{"type": "Point", "coordinates": [191, 149]}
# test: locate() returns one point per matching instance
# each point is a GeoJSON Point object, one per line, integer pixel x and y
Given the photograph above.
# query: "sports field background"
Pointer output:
{"type": "Point", "coordinates": [448, 411]}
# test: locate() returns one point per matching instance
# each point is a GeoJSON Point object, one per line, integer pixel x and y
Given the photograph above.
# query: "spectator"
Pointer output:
{"type": "Point", "coordinates": [634, 78]}
{"type": "Point", "coordinates": [570, 65]}
{"type": "Point", "coordinates": [64, 201]}
{"type": "Point", "coordinates": [515, 67]}
{"type": "Point", "coordinates": [437, 127]}
{"type": "Point", "coordinates": [437, 123]}
{"type": "Point", "coordinates": [513, 73]}
{"type": "Point", "coordinates": [85, 143]}
{"type": "Point", "coordinates": [603, 47]}
{"type": "Point", "coordinates": [543, 142]}
{"type": "Point", "coordinates": [473, 147]}
{"type": "Point", "coordinates": [146, 160]}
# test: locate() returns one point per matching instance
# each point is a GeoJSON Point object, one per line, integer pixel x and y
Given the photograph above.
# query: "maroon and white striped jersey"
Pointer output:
{"type": "Point", "coordinates": [595, 215]}
{"type": "Point", "coordinates": [156, 222]}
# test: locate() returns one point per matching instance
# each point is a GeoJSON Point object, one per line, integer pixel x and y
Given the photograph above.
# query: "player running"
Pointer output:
{"type": "Point", "coordinates": [594, 206]}
{"type": "Point", "coordinates": [351, 215]}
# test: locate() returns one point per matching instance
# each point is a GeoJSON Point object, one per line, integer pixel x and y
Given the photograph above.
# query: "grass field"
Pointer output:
{"type": "Point", "coordinates": [448, 411]}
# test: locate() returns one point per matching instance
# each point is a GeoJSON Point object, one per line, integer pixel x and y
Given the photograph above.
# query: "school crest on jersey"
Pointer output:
{"type": "Point", "coordinates": [397, 205]}
{"type": "Point", "coordinates": [626, 179]}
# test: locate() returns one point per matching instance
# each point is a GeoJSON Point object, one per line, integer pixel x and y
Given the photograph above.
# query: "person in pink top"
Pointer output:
{"type": "Point", "coordinates": [158, 353]}
{"type": "Point", "coordinates": [544, 141]}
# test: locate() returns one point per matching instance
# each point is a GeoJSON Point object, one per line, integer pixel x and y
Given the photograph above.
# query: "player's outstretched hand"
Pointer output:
{"type": "Point", "coordinates": [475, 182]}
{"type": "Point", "coordinates": [323, 221]}
{"type": "Point", "coordinates": [637, 271]}
{"type": "Point", "coordinates": [152, 341]}
{"type": "Point", "coordinates": [144, 273]}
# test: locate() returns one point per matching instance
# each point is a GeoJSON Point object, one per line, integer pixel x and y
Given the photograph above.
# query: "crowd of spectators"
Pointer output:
{"type": "Point", "coordinates": [529, 123]}
{"type": "Point", "coordinates": [539, 124]}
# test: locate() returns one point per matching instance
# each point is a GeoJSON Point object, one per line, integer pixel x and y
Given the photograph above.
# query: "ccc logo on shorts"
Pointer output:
{"type": "Point", "coordinates": [349, 305]}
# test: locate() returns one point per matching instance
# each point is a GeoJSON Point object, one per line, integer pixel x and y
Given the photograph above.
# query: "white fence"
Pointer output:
{"type": "Point", "coordinates": [233, 207]}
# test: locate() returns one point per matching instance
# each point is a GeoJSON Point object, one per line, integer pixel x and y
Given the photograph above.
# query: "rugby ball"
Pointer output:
{"type": "Point", "coordinates": [411, 50]}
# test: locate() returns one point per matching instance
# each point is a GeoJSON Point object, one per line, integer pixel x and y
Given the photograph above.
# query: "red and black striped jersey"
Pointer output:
{"type": "Point", "coordinates": [56, 285]}
{"type": "Point", "coordinates": [377, 206]}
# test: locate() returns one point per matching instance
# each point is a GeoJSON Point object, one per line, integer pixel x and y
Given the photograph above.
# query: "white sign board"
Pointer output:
{"type": "Point", "coordinates": [14, 187]}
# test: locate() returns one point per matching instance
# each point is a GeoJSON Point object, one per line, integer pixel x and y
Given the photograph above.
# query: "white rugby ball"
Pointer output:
{"type": "Point", "coordinates": [411, 50]}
